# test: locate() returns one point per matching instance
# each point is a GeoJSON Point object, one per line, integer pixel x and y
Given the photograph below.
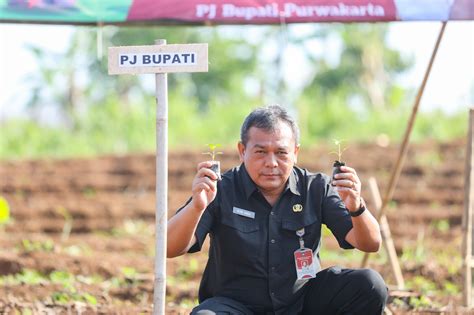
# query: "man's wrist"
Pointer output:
{"type": "Point", "coordinates": [194, 208]}
{"type": "Point", "coordinates": [360, 210]}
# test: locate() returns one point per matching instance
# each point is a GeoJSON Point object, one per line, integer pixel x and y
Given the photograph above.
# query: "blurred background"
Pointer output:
{"type": "Point", "coordinates": [57, 97]}
{"type": "Point", "coordinates": [77, 151]}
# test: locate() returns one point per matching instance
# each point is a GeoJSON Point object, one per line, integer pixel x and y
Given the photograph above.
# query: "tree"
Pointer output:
{"type": "Point", "coordinates": [229, 68]}
{"type": "Point", "coordinates": [366, 70]}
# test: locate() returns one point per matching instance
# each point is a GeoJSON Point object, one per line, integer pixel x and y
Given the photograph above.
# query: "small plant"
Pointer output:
{"type": "Point", "coordinates": [212, 151]}
{"type": "Point", "coordinates": [339, 151]}
{"type": "Point", "coordinates": [29, 246]}
{"type": "Point", "coordinates": [338, 163]}
{"type": "Point", "coordinates": [129, 277]}
{"type": "Point", "coordinates": [216, 166]}
{"type": "Point", "coordinates": [67, 227]}
{"type": "Point", "coordinates": [188, 271]}
{"type": "Point", "coordinates": [65, 297]}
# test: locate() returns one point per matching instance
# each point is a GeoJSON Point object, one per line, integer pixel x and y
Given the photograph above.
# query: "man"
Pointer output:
{"type": "Point", "coordinates": [264, 219]}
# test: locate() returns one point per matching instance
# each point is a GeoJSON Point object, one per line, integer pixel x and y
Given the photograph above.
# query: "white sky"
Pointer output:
{"type": "Point", "coordinates": [451, 81]}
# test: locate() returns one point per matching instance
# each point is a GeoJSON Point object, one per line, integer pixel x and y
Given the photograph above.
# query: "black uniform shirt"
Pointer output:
{"type": "Point", "coordinates": [252, 243]}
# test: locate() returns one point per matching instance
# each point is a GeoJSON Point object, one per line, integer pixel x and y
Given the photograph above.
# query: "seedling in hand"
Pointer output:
{"type": "Point", "coordinates": [338, 163]}
{"type": "Point", "coordinates": [216, 166]}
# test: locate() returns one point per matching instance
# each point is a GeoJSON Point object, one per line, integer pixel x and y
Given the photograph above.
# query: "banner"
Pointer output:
{"type": "Point", "coordinates": [231, 11]}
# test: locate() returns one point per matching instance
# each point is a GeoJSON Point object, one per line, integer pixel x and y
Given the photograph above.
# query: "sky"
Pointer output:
{"type": "Point", "coordinates": [451, 81]}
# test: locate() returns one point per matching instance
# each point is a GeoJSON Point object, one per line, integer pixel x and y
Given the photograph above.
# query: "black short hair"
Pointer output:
{"type": "Point", "coordinates": [266, 118]}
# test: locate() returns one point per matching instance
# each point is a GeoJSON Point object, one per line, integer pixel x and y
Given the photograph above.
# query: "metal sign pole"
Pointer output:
{"type": "Point", "coordinates": [159, 59]}
{"type": "Point", "coordinates": [159, 293]}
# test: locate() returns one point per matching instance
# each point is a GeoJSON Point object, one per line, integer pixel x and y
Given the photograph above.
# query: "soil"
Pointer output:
{"type": "Point", "coordinates": [109, 204]}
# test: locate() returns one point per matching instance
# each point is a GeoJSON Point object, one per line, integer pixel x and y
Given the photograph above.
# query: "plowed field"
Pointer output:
{"type": "Point", "coordinates": [81, 240]}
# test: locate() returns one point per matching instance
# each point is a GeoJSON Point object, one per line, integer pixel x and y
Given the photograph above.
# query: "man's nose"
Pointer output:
{"type": "Point", "coordinates": [271, 160]}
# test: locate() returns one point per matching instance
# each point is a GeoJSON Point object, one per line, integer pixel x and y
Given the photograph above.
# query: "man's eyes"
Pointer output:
{"type": "Point", "coordinates": [278, 152]}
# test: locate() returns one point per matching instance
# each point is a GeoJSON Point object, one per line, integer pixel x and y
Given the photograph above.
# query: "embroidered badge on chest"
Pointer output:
{"type": "Point", "coordinates": [297, 208]}
{"type": "Point", "coordinates": [243, 212]}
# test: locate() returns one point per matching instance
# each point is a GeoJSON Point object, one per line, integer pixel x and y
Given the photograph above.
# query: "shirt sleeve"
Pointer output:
{"type": "Point", "coordinates": [204, 225]}
{"type": "Point", "coordinates": [335, 215]}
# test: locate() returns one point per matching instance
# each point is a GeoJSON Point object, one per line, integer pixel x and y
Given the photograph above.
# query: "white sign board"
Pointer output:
{"type": "Point", "coordinates": [158, 59]}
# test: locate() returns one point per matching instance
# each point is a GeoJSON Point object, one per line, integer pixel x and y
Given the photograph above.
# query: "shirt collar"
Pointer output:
{"type": "Point", "coordinates": [293, 183]}
{"type": "Point", "coordinates": [250, 187]}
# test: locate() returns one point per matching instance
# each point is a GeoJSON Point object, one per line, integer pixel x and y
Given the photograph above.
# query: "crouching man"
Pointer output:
{"type": "Point", "coordinates": [264, 219]}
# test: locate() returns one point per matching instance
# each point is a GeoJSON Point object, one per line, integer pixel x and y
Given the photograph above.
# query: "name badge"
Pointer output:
{"type": "Point", "coordinates": [305, 268]}
{"type": "Point", "coordinates": [244, 213]}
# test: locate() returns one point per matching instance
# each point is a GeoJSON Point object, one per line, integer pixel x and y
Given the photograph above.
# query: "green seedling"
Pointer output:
{"type": "Point", "coordinates": [67, 222]}
{"type": "Point", "coordinates": [129, 272]}
{"type": "Point", "coordinates": [36, 246]}
{"type": "Point", "coordinates": [26, 311]}
{"type": "Point", "coordinates": [216, 166]}
{"type": "Point", "coordinates": [339, 151]}
{"type": "Point", "coordinates": [188, 271]}
{"type": "Point", "coordinates": [26, 276]}
{"type": "Point", "coordinates": [61, 297]}
{"type": "Point", "coordinates": [212, 151]}
{"type": "Point", "coordinates": [89, 192]}
{"type": "Point", "coordinates": [128, 277]}
{"type": "Point", "coordinates": [133, 227]}
{"type": "Point", "coordinates": [64, 278]}
{"type": "Point", "coordinates": [338, 163]}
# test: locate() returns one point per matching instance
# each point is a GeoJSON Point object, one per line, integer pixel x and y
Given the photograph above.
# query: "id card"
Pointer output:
{"type": "Point", "coordinates": [305, 268]}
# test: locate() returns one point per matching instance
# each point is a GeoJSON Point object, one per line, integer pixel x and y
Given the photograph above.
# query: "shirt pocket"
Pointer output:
{"type": "Point", "coordinates": [239, 239]}
{"type": "Point", "coordinates": [312, 231]}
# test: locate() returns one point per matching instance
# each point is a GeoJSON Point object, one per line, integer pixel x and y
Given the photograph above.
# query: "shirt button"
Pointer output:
{"type": "Point", "coordinates": [273, 269]}
{"type": "Point", "coordinates": [272, 241]}
{"type": "Point", "coordinates": [273, 293]}
{"type": "Point", "coordinates": [272, 213]}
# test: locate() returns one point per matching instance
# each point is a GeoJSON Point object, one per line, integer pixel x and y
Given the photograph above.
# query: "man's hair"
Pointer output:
{"type": "Point", "coordinates": [267, 118]}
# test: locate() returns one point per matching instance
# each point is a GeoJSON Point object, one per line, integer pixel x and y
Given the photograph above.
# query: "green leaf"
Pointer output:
{"type": "Point", "coordinates": [4, 210]}
{"type": "Point", "coordinates": [129, 272]}
{"type": "Point", "coordinates": [89, 299]}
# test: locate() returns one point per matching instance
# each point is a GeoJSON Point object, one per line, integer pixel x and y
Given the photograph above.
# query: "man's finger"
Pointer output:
{"type": "Point", "coordinates": [202, 186]}
{"type": "Point", "coordinates": [205, 164]}
{"type": "Point", "coordinates": [344, 183]}
{"type": "Point", "coordinates": [207, 172]}
{"type": "Point", "coordinates": [349, 176]}
{"type": "Point", "coordinates": [347, 169]}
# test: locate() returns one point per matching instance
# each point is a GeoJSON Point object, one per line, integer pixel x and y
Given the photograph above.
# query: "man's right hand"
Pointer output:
{"type": "Point", "coordinates": [204, 187]}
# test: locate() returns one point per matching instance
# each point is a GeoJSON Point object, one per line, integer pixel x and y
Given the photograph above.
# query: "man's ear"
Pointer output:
{"type": "Point", "coordinates": [297, 150]}
{"type": "Point", "coordinates": [241, 148]}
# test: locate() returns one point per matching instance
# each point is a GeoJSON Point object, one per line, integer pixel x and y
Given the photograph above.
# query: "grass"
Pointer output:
{"type": "Point", "coordinates": [69, 284]}
{"type": "Point", "coordinates": [28, 246]}
{"type": "Point", "coordinates": [134, 227]}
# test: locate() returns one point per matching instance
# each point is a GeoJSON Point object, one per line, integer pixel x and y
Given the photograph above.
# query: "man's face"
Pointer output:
{"type": "Point", "coordinates": [269, 157]}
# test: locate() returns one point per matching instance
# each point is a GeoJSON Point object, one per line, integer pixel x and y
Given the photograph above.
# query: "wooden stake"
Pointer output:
{"type": "Point", "coordinates": [404, 148]}
{"type": "Point", "coordinates": [468, 241]}
{"type": "Point", "coordinates": [386, 237]}
{"type": "Point", "coordinates": [406, 138]}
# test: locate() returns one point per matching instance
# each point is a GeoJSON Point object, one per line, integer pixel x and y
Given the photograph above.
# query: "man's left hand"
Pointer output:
{"type": "Point", "coordinates": [348, 186]}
